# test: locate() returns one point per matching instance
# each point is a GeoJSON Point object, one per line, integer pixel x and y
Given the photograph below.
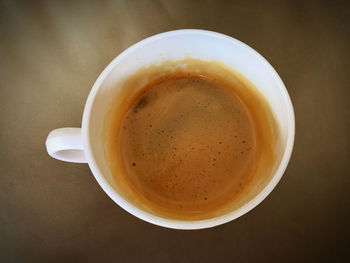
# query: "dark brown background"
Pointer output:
{"type": "Point", "coordinates": [51, 52]}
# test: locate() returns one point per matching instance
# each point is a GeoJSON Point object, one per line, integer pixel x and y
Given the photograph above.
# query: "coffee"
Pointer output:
{"type": "Point", "coordinates": [193, 141]}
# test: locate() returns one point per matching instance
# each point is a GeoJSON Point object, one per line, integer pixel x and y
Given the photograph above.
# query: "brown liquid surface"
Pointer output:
{"type": "Point", "coordinates": [188, 145]}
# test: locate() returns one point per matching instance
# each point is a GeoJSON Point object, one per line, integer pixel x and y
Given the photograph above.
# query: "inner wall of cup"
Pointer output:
{"type": "Point", "coordinates": [177, 47]}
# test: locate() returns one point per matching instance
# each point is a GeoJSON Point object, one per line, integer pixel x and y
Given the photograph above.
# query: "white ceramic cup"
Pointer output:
{"type": "Point", "coordinates": [83, 145]}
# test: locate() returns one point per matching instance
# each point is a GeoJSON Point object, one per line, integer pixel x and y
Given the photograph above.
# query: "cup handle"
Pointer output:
{"type": "Point", "coordinates": [66, 144]}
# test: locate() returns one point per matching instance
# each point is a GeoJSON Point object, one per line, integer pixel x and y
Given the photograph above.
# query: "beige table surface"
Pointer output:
{"type": "Point", "coordinates": [51, 52]}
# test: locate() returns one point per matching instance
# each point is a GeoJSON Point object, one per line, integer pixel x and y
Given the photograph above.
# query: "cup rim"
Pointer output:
{"type": "Point", "coordinates": [173, 223]}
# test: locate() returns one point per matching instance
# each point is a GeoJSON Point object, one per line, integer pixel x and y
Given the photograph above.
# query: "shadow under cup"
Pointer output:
{"type": "Point", "coordinates": [174, 46]}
